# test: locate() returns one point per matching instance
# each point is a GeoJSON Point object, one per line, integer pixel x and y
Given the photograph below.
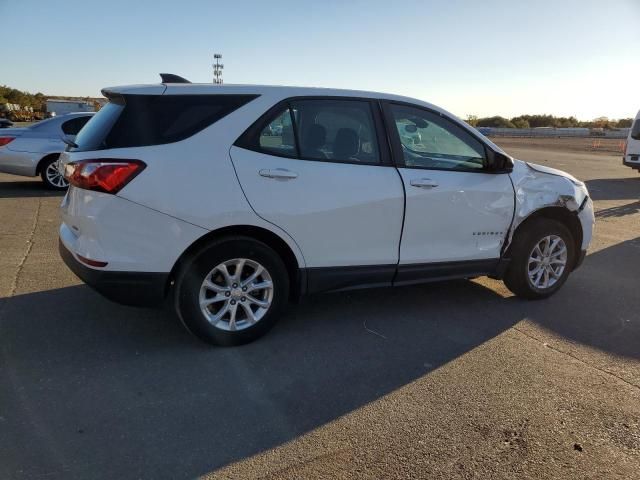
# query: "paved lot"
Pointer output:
{"type": "Point", "coordinates": [454, 380]}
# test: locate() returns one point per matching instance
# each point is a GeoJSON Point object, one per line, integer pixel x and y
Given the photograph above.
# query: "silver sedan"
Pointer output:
{"type": "Point", "coordinates": [34, 150]}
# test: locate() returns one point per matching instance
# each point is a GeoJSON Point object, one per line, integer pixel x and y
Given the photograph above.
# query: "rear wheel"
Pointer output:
{"type": "Point", "coordinates": [543, 254]}
{"type": "Point", "coordinates": [232, 292]}
{"type": "Point", "coordinates": [51, 176]}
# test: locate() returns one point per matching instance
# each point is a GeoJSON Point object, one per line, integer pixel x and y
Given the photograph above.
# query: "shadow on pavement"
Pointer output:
{"type": "Point", "coordinates": [599, 306]}
{"type": "Point", "coordinates": [98, 390]}
{"type": "Point", "coordinates": [27, 189]}
{"type": "Point", "coordinates": [614, 188]}
{"type": "Point", "coordinates": [619, 210]}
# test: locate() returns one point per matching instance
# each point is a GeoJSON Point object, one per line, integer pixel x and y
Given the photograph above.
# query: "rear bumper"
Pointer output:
{"type": "Point", "coordinates": [141, 289]}
{"type": "Point", "coordinates": [634, 165]}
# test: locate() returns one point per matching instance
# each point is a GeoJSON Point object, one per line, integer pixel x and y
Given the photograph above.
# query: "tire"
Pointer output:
{"type": "Point", "coordinates": [219, 329]}
{"type": "Point", "coordinates": [50, 175]}
{"type": "Point", "coordinates": [518, 277]}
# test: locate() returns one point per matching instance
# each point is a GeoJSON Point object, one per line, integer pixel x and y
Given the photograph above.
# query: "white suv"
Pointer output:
{"type": "Point", "coordinates": [232, 200]}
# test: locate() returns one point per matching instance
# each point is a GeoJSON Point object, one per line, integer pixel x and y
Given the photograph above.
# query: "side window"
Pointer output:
{"type": "Point", "coordinates": [277, 136]}
{"type": "Point", "coordinates": [431, 141]}
{"type": "Point", "coordinates": [337, 130]}
{"type": "Point", "coordinates": [73, 126]}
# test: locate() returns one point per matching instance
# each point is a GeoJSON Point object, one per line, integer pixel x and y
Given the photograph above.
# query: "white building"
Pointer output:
{"type": "Point", "coordinates": [60, 107]}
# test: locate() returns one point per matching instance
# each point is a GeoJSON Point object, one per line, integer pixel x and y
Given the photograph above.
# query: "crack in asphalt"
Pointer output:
{"type": "Point", "coordinates": [569, 354]}
{"type": "Point", "coordinates": [32, 232]}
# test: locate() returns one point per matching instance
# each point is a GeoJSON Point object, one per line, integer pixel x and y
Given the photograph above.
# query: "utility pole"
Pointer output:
{"type": "Point", "coordinates": [217, 69]}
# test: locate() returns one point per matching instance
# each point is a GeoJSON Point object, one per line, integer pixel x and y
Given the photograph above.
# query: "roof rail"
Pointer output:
{"type": "Point", "coordinates": [171, 78]}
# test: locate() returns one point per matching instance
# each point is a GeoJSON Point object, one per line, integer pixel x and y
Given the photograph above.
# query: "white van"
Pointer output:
{"type": "Point", "coordinates": [632, 150]}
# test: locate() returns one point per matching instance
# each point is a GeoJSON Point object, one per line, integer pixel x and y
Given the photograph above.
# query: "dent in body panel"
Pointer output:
{"type": "Point", "coordinates": [537, 187]}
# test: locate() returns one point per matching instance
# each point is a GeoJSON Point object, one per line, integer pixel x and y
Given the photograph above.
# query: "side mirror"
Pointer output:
{"type": "Point", "coordinates": [635, 130]}
{"type": "Point", "coordinates": [499, 162]}
{"type": "Point", "coordinates": [410, 128]}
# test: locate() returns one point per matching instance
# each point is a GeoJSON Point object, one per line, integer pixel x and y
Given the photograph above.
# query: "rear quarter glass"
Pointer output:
{"type": "Point", "coordinates": [144, 120]}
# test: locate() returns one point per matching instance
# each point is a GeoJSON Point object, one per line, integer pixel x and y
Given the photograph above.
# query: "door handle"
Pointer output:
{"type": "Point", "coordinates": [423, 183]}
{"type": "Point", "coordinates": [278, 173]}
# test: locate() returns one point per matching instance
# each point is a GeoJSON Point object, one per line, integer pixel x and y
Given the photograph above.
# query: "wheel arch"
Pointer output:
{"type": "Point", "coordinates": [560, 214]}
{"type": "Point", "coordinates": [47, 157]}
{"type": "Point", "coordinates": [292, 261]}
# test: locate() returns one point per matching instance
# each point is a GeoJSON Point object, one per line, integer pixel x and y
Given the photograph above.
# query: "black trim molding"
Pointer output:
{"type": "Point", "coordinates": [431, 272]}
{"type": "Point", "coordinates": [140, 289]}
{"type": "Point", "coordinates": [326, 279]}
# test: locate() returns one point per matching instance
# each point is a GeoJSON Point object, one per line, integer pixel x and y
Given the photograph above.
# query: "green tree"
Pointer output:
{"type": "Point", "coordinates": [622, 123]}
{"type": "Point", "coordinates": [520, 122]}
{"type": "Point", "coordinates": [496, 122]}
{"type": "Point", "coordinates": [472, 120]}
{"type": "Point", "coordinates": [602, 122]}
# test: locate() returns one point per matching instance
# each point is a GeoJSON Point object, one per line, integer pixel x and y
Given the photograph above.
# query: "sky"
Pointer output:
{"type": "Point", "coordinates": [471, 57]}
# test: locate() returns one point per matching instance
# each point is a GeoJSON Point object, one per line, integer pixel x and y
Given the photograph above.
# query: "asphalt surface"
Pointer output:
{"type": "Point", "coordinates": [450, 380]}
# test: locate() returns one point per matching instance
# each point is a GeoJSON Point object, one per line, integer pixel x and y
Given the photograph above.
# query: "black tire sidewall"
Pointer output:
{"type": "Point", "coordinates": [517, 278]}
{"type": "Point", "coordinates": [193, 273]}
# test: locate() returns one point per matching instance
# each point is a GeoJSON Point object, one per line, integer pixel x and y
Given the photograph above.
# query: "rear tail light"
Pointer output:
{"type": "Point", "coordinates": [108, 175]}
{"type": "Point", "coordinates": [6, 140]}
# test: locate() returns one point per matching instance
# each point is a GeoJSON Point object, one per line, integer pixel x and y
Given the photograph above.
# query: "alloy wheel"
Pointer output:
{"type": "Point", "coordinates": [236, 294]}
{"type": "Point", "coordinates": [547, 262]}
{"type": "Point", "coordinates": [54, 177]}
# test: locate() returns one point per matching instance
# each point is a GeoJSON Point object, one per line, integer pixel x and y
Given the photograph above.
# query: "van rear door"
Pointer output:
{"type": "Point", "coordinates": [632, 151]}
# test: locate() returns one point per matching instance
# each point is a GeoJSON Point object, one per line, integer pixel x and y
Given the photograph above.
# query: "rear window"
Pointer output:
{"type": "Point", "coordinates": [635, 129]}
{"type": "Point", "coordinates": [73, 126]}
{"type": "Point", "coordinates": [142, 120]}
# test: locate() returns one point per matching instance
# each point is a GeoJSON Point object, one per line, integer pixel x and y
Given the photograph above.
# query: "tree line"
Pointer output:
{"type": "Point", "coordinates": [537, 121]}
{"type": "Point", "coordinates": [35, 100]}
{"type": "Point", "coordinates": [38, 101]}
{"type": "Point", "coordinates": [25, 99]}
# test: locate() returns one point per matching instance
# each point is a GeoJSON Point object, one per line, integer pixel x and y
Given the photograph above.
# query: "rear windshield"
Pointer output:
{"type": "Point", "coordinates": [142, 120]}
{"type": "Point", "coordinates": [635, 129]}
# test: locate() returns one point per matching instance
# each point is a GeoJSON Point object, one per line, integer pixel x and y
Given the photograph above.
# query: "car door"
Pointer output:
{"type": "Point", "coordinates": [317, 168]}
{"type": "Point", "coordinates": [457, 212]}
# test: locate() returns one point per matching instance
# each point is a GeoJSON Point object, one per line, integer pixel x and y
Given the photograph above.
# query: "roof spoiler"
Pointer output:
{"type": "Point", "coordinates": [171, 78]}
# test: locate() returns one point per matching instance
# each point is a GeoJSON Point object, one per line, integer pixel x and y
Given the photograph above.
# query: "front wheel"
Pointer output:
{"type": "Point", "coordinates": [232, 292]}
{"type": "Point", "coordinates": [543, 254]}
{"type": "Point", "coordinates": [51, 176]}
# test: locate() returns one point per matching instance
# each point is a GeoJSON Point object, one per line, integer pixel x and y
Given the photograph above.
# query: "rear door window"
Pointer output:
{"type": "Point", "coordinates": [336, 130]}
{"type": "Point", "coordinates": [329, 129]}
{"type": "Point", "coordinates": [73, 126]}
{"type": "Point", "coordinates": [143, 120]}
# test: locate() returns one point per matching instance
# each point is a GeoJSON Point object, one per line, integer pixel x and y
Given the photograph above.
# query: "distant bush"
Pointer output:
{"type": "Point", "coordinates": [11, 95]}
{"type": "Point", "coordinates": [495, 122]}
{"type": "Point", "coordinates": [537, 121]}
{"type": "Point", "coordinates": [37, 101]}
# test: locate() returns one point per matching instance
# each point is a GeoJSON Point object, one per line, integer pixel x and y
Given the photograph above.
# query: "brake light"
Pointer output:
{"type": "Point", "coordinates": [6, 140]}
{"type": "Point", "coordinates": [108, 175]}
